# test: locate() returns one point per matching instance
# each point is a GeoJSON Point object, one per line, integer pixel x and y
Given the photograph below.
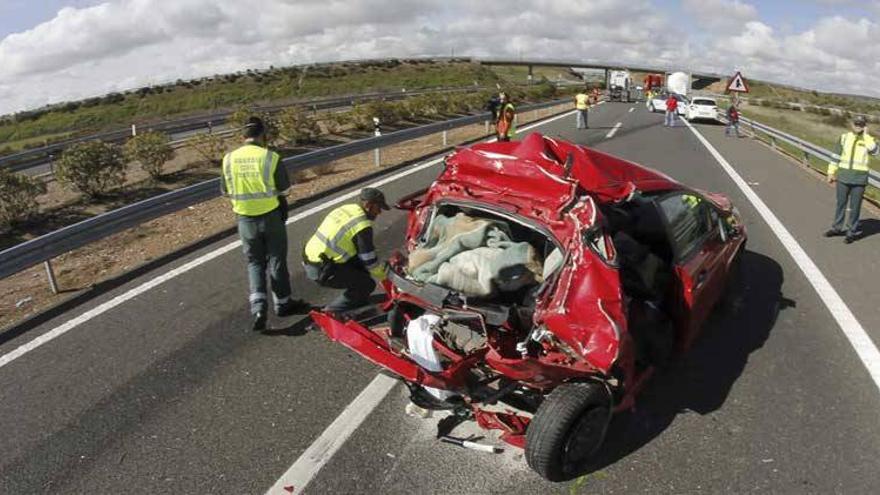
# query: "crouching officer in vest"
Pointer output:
{"type": "Point", "coordinates": [851, 174]}
{"type": "Point", "coordinates": [341, 254]}
{"type": "Point", "coordinates": [255, 182]}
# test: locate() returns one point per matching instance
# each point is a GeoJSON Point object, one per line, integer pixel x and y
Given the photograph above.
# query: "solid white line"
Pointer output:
{"type": "Point", "coordinates": [132, 293]}
{"type": "Point", "coordinates": [613, 130]}
{"type": "Point", "coordinates": [321, 451]}
{"type": "Point", "coordinates": [852, 329]}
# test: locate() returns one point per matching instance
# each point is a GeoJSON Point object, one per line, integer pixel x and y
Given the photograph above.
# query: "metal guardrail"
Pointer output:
{"type": "Point", "coordinates": [34, 157]}
{"type": "Point", "coordinates": [53, 244]}
{"type": "Point", "coordinates": [808, 148]}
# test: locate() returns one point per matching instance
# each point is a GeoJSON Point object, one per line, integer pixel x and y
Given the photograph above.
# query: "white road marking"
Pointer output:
{"type": "Point", "coordinates": [852, 329]}
{"type": "Point", "coordinates": [322, 450]}
{"type": "Point", "coordinates": [132, 293]}
{"type": "Point", "coordinates": [613, 130]}
{"type": "Point", "coordinates": [631, 109]}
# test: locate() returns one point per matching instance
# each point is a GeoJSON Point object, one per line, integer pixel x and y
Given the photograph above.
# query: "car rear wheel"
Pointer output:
{"type": "Point", "coordinates": [568, 429]}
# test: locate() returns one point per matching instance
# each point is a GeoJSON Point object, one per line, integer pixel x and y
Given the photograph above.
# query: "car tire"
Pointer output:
{"type": "Point", "coordinates": [568, 429]}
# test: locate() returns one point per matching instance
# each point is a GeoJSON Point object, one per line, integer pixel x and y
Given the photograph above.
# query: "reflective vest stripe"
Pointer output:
{"type": "Point", "coordinates": [267, 180]}
{"type": "Point", "coordinates": [333, 244]}
{"type": "Point", "coordinates": [227, 175]}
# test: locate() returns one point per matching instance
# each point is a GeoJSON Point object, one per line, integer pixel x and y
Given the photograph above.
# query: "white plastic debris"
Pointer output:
{"type": "Point", "coordinates": [420, 337]}
{"type": "Point", "coordinates": [23, 302]}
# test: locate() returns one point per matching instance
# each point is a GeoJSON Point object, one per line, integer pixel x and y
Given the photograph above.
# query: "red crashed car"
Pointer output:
{"type": "Point", "coordinates": [540, 285]}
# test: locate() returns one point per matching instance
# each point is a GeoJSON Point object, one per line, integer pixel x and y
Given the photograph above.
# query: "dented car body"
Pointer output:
{"type": "Point", "coordinates": [630, 264]}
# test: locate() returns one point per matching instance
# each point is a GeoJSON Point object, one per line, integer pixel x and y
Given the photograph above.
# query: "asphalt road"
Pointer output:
{"type": "Point", "coordinates": [165, 393]}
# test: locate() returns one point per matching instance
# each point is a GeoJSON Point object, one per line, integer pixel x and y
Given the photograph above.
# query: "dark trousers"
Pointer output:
{"type": "Point", "coordinates": [352, 277]}
{"type": "Point", "coordinates": [264, 241]}
{"type": "Point", "coordinates": [852, 194]}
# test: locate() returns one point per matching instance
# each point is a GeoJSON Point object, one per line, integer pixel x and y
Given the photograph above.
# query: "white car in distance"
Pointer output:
{"type": "Point", "coordinates": [702, 108]}
{"type": "Point", "coordinates": [658, 103]}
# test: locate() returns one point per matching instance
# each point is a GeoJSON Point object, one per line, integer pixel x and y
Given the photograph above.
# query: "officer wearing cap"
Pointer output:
{"type": "Point", "coordinates": [256, 183]}
{"type": "Point", "coordinates": [341, 254]}
{"type": "Point", "coordinates": [851, 174]}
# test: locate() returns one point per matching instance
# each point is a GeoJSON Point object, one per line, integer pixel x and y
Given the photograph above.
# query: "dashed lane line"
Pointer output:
{"type": "Point", "coordinates": [846, 320]}
{"type": "Point", "coordinates": [613, 130]}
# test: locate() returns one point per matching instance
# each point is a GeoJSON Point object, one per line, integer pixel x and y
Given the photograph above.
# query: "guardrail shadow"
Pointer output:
{"type": "Point", "coordinates": [701, 381]}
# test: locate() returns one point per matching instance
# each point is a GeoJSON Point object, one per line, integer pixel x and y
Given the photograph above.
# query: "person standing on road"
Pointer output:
{"type": "Point", "coordinates": [505, 125]}
{"type": "Point", "coordinates": [582, 105]}
{"type": "Point", "coordinates": [341, 254]}
{"type": "Point", "coordinates": [732, 120]}
{"type": "Point", "coordinates": [851, 174]}
{"type": "Point", "coordinates": [492, 106]}
{"type": "Point", "coordinates": [671, 108]}
{"type": "Point", "coordinates": [255, 183]}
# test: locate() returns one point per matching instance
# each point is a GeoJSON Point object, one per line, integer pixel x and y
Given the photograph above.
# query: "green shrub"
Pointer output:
{"type": "Point", "coordinates": [363, 113]}
{"type": "Point", "coordinates": [18, 197]}
{"type": "Point", "coordinates": [91, 167]}
{"type": "Point", "coordinates": [297, 126]}
{"type": "Point", "coordinates": [151, 150]}
{"type": "Point", "coordinates": [210, 147]}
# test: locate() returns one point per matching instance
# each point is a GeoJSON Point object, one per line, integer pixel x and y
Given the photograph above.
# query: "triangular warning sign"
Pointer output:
{"type": "Point", "coordinates": [738, 84]}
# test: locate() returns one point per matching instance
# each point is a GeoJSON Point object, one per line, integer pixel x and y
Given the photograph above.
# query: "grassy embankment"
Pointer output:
{"type": "Point", "coordinates": [229, 91]}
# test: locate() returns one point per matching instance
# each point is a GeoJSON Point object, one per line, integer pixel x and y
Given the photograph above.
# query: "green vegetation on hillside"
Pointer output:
{"type": "Point", "coordinates": [231, 91]}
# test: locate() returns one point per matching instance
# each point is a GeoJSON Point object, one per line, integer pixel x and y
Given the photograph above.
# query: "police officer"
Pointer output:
{"type": "Point", "coordinates": [851, 174]}
{"type": "Point", "coordinates": [505, 124]}
{"type": "Point", "coordinates": [341, 255]}
{"type": "Point", "coordinates": [255, 183]}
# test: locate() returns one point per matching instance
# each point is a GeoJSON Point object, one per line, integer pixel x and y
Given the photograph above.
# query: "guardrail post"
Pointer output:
{"type": "Point", "coordinates": [50, 274]}
{"type": "Point", "coordinates": [806, 158]}
{"type": "Point", "coordinates": [487, 127]}
{"type": "Point", "coordinates": [445, 138]}
{"type": "Point", "coordinates": [134, 130]}
{"type": "Point", "coordinates": [377, 131]}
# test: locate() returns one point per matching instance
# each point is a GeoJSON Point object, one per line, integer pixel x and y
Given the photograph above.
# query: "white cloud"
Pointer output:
{"type": "Point", "coordinates": [724, 15]}
{"type": "Point", "coordinates": [124, 44]}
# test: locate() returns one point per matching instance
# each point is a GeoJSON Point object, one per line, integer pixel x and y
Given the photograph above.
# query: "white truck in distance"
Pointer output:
{"type": "Point", "coordinates": [619, 82]}
{"type": "Point", "coordinates": [678, 83]}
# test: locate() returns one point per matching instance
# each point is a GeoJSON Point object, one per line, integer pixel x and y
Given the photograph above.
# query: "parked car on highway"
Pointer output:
{"type": "Point", "coordinates": [702, 108]}
{"type": "Point", "coordinates": [543, 310]}
{"type": "Point", "coordinates": [658, 103]}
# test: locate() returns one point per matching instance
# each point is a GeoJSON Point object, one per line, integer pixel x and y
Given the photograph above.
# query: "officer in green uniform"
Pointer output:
{"type": "Point", "coordinates": [255, 182]}
{"type": "Point", "coordinates": [341, 254]}
{"type": "Point", "coordinates": [851, 174]}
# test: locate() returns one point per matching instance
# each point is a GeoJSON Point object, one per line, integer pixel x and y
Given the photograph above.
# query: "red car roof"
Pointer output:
{"type": "Point", "coordinates": [533, 170]}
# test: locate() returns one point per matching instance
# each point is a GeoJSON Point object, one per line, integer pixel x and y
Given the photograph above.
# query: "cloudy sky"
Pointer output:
{"type": "Point", "coordinates": [56, 50]}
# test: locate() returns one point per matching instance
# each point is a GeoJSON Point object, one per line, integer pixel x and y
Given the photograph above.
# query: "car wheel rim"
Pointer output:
{"type": "Point", "coordinates": [583, 439]}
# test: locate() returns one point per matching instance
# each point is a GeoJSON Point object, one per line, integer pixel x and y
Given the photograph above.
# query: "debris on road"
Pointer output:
{"type": "Point", "coordinates": [24, 301]}
{"type": "Point", "coordinates": [472, 445]}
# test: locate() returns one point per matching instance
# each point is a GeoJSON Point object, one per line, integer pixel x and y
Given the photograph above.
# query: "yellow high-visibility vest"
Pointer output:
{"type": "Point", "coordinates": [249, 175]}
{"type": "Point", "coordinates": [334, 239]}
{"type": "Point", "coordinates": [854, 153]}
{"type": "Point", "coordinates": [582, 101]}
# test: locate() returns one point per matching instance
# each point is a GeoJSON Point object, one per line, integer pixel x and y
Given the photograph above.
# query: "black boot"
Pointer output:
{"type": "Point", "coordinates": [259, 322]}
{"type": "Point", "coordinates": [294, 307]}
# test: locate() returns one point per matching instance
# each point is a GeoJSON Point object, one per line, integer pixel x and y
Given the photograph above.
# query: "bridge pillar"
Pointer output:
{"type": "Point", "coordinates": [607, 77]}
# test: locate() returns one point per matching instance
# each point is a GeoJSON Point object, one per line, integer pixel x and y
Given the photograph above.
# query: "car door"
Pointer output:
{"type": "Point", "coordinates": [692, 229]}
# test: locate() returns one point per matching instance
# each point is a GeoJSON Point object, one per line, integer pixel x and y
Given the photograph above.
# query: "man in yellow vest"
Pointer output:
{"type": "Point", "coordinates": [505, 125]}
{"type": "Point", "coordinates": [255, 182]}
{"type": "Point", "coordinates": [341, 254]}
{"type": "Point", "coordinates": [851, 174]}
{"type": "Point", "coordinates": [582, 105]}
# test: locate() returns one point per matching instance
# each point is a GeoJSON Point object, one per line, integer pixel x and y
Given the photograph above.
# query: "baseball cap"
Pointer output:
{"type": "Point", "coordinates": [374, 195]}
{"type": "Point", "coordinates": [859, 121]}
